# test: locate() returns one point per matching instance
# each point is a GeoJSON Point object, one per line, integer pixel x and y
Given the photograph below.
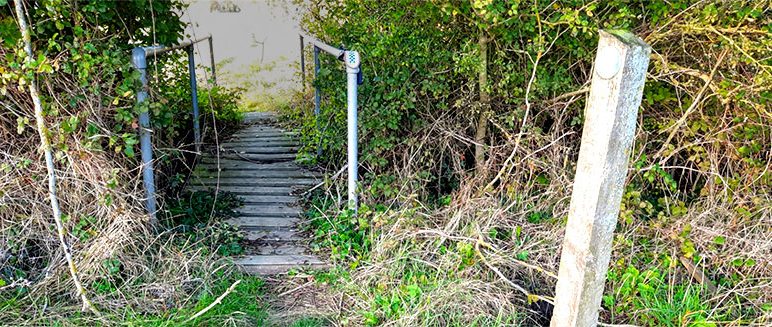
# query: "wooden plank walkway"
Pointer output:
{"type": "Point", "coordinates": [257, 164]}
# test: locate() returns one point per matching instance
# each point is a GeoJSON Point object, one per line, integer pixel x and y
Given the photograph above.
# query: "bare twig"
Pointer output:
{"type": "Point", "coordinates": [695, 103]}
{"type": "Point", "coordinates": [506, 166]}
{"type": "Point", "coordinates": [334, 176]}
{"type": "Point", "coordinates": [216, 301]}
{"type": "Point", "coordinates": [45, 144]}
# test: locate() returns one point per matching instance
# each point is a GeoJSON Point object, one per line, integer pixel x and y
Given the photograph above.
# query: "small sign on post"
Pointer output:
{"type": "Point", "coordinates": [609, 129]}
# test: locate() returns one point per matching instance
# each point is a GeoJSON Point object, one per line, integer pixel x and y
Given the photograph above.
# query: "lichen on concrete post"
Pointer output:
{"type": "Point", "coordinates": [609, 128]}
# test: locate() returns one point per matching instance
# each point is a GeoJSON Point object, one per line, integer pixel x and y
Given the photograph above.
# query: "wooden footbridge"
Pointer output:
{"type": "Point", "coordinates": [257, 164]}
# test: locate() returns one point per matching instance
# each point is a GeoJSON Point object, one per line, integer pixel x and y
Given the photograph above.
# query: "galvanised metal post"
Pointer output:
{"type": "Point", "coordinates": [352, 61]}
{"type": "Point", "coordinates": [317, 100]}
{"type": "Point", "coordinates": [139, 59]}
{"type": "Point", "coordinates": [302, 66]}
{"type": "Point", "coordinates": [211, 58]}
{"type": "Point", "coordinates": [194, 95]}
{"type": "Point", "coordinates": [351, 58]}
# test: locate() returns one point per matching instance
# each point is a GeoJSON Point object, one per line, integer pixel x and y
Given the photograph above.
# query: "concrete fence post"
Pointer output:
{"type": "Point", "coordinates": [609, 128]}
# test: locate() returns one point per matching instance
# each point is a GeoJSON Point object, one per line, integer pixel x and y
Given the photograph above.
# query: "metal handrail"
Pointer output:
{"type": "Point", "coordinates": [352, 62]}
{"type": "Point", "coordinates": [139, 60]}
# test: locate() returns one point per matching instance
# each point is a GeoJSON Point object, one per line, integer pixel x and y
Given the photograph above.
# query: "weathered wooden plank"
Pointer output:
{"type": "Point", "coordinates": [259, 158]}
{"type": "Point", "coordinates": [273, 236]}
{"type": "Point", "coordinates": [265, 270]}
{"type": "Point", "coordinates": [247, 190]}
{"type": "Point", "coordinates": [259, 142]}
{"type": "Point", "coordinates": [609, 128]}
{"type": "Point", "coordinates": [256, 223]}
{"type": "Point", "coordinates": [246, 135]}
{"type": "Point", "coordinates": [261, 150]}
{"type": "Point", "coordinates": [277, 249]}
{"type": "Point", "coordinates": [296, 260]}
{"type": "Point", "coordinates": [261, 173]}
{"type": "Point", "coordinates": [268, 210]}
{"type": "Point", "coordinates": [262, 138]}
{"type": "Point", "coordinates": [255, 182]}
{"type": "Point", "coordinates": [269, 199]}
{"type": "Point", "coordinates": [211, 163]}
{"type": "Point", "coordinates": [262, 128]}
{"type": "Point", "coordinates": [256, 169]}
{"type": "Point", "coordinates": [265, 128]}
{"type": "Point", "coordinates": [254, 117]}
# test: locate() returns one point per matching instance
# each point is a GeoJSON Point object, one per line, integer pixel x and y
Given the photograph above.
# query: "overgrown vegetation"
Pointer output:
{"type": "Point", "coordinates": [453, 245]}
{"type": "Point", "coordinates": [132, 274]}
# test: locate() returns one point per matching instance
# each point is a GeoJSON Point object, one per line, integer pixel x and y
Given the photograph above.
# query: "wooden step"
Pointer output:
{"type": "Point", "coordinates": [264, 138]}
{"type": "Point", "coordinates": [259, 158]}
{"type": "Point", "coordinates": [273, 236]}
{"type": "Point", "coordinates": [276, 264]}
{"type": "Point", "coordinates": [263, 135]}
{"type": "Point", "coordinates": [255, 117]}
{"type": "Point", "coordinates": [258, 142]}
{"type": "Point", "coordinates": [255, 182]}
{"type": "Point", "coordinates": [277, 249]}
{"type": "Point", "coordinates": [261, 149]}
{"type": "Point", "coordinates": [269, 199]}
{"type": "Point", "coordinates": [256, 260]}
{"type": "Point", "coordinates": [262, 128]}
{"type": "Point", "coordinates": [261, 173]}
{"type": "Point", "coordinates": [263, 223]}
{"type": "Point", "coordinates": [248, 190]}
{"type": "Point", "coordinates": [224, 163]}
{"type": "Point", "coordinates": [266, 129]}
{"type": "Point", "coordinates": [268, 210]}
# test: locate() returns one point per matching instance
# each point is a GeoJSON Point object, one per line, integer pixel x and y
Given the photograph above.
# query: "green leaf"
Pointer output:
{"type": "Point", "coordinates": [522, 256]}
{"type": "Point", "coordinates": [129, 151]}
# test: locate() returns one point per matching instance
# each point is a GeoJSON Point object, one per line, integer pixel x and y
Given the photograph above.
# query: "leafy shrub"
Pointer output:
{"type": "Point", "coordinates": [200, 214]}
{"type": "Point", "coordinates": [199, 207]}
{"type": "Point", "coordinates": [700, 157]}
{"type": "Point", "coordinates": [88, 87]}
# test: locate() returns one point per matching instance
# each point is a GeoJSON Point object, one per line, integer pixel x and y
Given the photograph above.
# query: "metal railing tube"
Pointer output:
{"type": "Point", "coordinates": [352, 62]}
{"type": "Point", "coordinates": [194, 96]}
{"type": "Point", "coordinates": [139, 60]}
{"type": "Point", "coordinates": [160, 49]}
{"type": "Point", "coordinates": [302, 65]}
{"type": "Point", "coordinates": [317, 99]}
{"type": "Point", "coordinates": [352, 70]}
{"type": "Point", "coordinates": [338, 53]}
{"type": "Point", "coordinates": [211, 58]}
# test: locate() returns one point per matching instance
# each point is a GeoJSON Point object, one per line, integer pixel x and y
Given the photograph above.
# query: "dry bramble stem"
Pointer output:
{"type": "Point", "coordinates": [46, 145]}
